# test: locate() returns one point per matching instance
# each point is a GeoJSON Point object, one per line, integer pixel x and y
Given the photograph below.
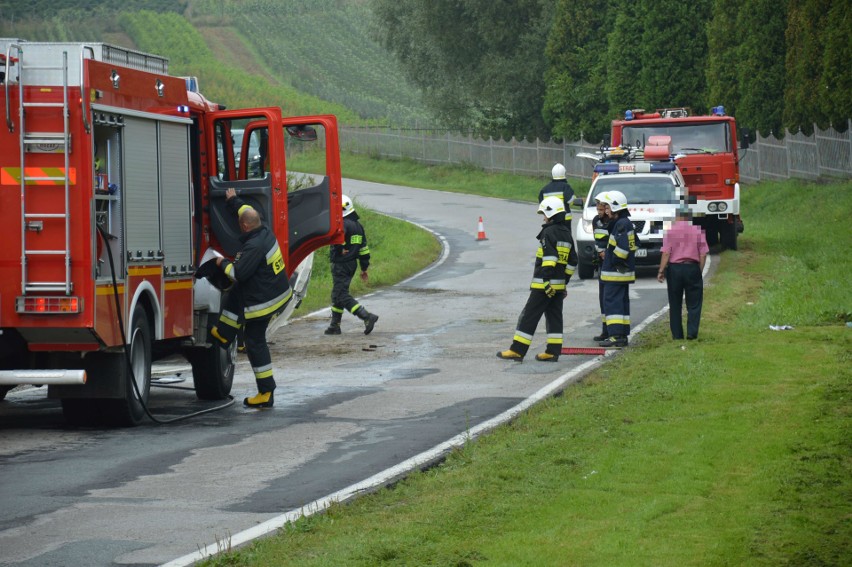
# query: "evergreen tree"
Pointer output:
{"type": "Point", "coordinates": [723, 60]}
{"type": "Point", "coordinates": [674, 52]}
{"type": "Point", "coordinates": [760, 74]}
{"type": "Point", "coordinates": [835, 82]}
{"type": "Point", "coordinates": [624, 61]}
{"type": "Point", "coordinates": [574, 103]}
{"type": "Point", "coordinates": [805, 22]}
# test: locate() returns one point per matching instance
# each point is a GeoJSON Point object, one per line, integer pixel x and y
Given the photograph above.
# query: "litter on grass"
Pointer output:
{"type": "Point", "coordinates": [781, 327]}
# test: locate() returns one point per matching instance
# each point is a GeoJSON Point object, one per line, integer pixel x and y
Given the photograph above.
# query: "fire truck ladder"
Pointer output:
{"type": "Point", "coordinates": [32, 220]}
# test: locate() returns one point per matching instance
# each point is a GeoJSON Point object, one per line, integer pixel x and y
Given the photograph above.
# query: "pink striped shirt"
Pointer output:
{"type": "Point", "coordinates": [684, 242]}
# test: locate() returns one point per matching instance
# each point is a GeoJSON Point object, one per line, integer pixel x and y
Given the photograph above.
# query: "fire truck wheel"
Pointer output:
{"type": "Point", "coordinates": [128, 411]}
{"type": "Point", "coordinates": [3, 391]}
{"type": "Point", "coordinates": [212, 370]}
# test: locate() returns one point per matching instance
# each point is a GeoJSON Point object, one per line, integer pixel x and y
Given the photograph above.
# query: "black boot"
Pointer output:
{"type": "Point", "coordinates": [368, 318]}
{"type": "Point", "coordinates": [334, 326]}
{"type": "Point", "coordinates": [603, 336]}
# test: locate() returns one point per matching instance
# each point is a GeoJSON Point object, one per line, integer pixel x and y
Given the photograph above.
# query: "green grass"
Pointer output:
{"type": "Point", "coordinates": [397, 250]}
{"type": "Point", "coordinates": [731, 450]}
{"type": "Point", "coordinates": [410, 173]}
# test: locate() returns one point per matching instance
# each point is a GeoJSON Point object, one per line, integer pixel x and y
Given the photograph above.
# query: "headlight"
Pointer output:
{"type": "Point", "coordinates": [587, 226]}
{"type": "Point", "coordinates": [723, 207]}
{"type": "Point", "coordinates": [712, 207]}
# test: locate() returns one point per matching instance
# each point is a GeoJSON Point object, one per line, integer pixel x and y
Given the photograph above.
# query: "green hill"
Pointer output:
{"type": "Point", "coordinates": [306, 56]}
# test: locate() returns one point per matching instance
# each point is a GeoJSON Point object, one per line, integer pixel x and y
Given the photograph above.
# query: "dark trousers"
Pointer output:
{"type": "Point", "coordinates": [231, 321]}
{"type": "Point", "coordinates": [616, 303]}
{"type": "Point", "coordinates": [537, 305]}
{"type": "Point", "coordinates": [601, 302]}
{"type": "Point", "coordinates": [684, 279]}
{"type": "Point", "coordinates": [341, 277]}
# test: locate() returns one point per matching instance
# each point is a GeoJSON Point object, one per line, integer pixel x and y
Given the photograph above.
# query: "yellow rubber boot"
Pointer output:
{"type": "Point", "coordinates": [510, 355]}
{"type": "Point", "coordinates": [547, 357]}
{"type": "Point", "coordinates": [261, 400]}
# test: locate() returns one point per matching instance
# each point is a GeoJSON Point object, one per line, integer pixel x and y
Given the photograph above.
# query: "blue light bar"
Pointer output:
{"type": "Point", "coordinates": [718, 110]}
{"type": "Point", "coordinates": [662, 167]}
{"type": "Point", "coordinates": [606, 168]}
{"type": "Point", "coordinates": [628, 115]}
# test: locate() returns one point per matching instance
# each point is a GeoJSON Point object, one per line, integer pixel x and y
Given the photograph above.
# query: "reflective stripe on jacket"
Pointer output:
{"type": "Point", "coordinates": [556, 258]}
{"type": "Point", "coordinates": [619, 262]}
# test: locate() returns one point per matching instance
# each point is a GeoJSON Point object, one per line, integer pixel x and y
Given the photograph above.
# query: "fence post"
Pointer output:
{"type": "Point", "coordinates": [787, 135]}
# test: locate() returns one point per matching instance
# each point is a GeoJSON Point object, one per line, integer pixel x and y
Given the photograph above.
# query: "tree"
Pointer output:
{"type": "Point", "coordinates": [480, 63]}
{"type": "Point", "coordinates": [575, 104]}
{"type": "Point", "coordinates": [723, 41]}
{"type": "Point", "coordinates": [760, 74]}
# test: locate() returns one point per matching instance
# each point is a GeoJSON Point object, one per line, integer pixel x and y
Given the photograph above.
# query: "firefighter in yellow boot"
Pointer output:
{"type": "Point", "coordinates": [261, 291]}
{"type": "Point", "coordinates": [345, 259]}
{"type": "Point", "coordinates": [555, 263]}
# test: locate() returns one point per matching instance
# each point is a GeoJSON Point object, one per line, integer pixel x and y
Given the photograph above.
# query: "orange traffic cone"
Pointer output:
{"type": "Point", "coordinates": [480, 235]}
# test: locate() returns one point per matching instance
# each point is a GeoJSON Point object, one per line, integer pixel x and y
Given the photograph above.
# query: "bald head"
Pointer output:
{"type": "Point", "coordinates": [249, 219]}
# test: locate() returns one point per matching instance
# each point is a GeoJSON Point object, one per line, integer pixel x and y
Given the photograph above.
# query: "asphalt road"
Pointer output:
{"type": "Point", "coordinates": [347, 408]}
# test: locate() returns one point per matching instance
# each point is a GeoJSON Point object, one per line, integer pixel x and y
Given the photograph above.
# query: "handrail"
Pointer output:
{"type": "Point", "coordinates": [9, 123]}
{"type": "Point", "coordinates": [83, 94]}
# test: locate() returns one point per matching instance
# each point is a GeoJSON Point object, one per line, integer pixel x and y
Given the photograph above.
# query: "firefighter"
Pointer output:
{"type": "Point", "coordinates": [558, 187]}
{"type": "Point", "coordinates": [345, 259]}
{"type": "Point", "coordinates": [600, 228]}
{"type": "Point", "coordinates": [261, 292]}
{"type": "Point", "coordinates": [618, 269]}
{"type": "Point", "coordinates": [555, 263]}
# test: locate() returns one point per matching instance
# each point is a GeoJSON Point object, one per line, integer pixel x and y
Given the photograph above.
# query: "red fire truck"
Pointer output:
{"type": "Point", "coordinates": [112, 189]}
{"type": "Point", "coordinates": [706, 150]}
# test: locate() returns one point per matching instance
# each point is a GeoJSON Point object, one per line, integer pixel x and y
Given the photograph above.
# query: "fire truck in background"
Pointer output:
{"type": "Point", "coordinates": [706, 154]}
{"type": "Point", "coordinates": [112, 189]}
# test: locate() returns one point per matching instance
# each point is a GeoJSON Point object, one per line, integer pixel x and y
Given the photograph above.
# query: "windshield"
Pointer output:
{"type": "Point", "coordinates": [638, 190]}
{"type": "Point", "coordinates": [686, 138]}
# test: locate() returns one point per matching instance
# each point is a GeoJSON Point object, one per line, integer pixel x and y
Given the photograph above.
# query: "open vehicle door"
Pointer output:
{"type": "Point", "coordinates": [305, 213]}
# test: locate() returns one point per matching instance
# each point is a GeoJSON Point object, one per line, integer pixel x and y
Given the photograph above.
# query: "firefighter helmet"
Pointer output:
{"type": "Point", "coordinates": [615, 199]}
{"type": "Point", "coordinates": [558, 171]}
{"type": "Point", "coordinates": [550, 206]}
{"type": "Point", "coordinates": [348, 207]}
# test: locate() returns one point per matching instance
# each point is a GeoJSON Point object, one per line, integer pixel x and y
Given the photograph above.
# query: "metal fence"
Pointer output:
{"type": "Point", "coordinates": [823, 153]}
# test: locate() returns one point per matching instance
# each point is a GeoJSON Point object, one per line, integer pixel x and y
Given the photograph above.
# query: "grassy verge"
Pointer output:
{"type": "Point", "coordinates": [732, 450]}
{"type": "Point", "coordinates": [410, 173]}
{"type": "Point", "coordinates": [397, 250]}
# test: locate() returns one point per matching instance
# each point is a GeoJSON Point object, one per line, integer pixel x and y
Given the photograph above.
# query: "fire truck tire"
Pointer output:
{"type": "Point", "coordinates": [212, 370]}
{"type": "Point", "coordinates": [586, 271]}
{"type": "Point", "coordinates": [128, 411]}
{"type": "Point", "coordinates": [728, 233]}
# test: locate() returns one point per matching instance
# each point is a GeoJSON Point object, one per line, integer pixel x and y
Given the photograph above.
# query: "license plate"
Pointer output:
{"type": "Point", "coordinates": [641, 253]}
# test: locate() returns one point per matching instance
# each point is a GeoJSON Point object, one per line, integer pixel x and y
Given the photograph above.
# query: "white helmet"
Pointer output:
{"type": "Point", "coordinates": [348, 208]}
{"type": "Point", "coordinates": [550, 206]}
{"type": "Point", "coordinates": [558, 171]}
{"type": "Point", "coordinates": [615, 199]}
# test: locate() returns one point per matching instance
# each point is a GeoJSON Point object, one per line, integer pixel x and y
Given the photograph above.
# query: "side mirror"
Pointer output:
{"type": "Point", "coordinates": [577, 202]}
{"type": "Point", "coordinates": [607, 140]}
{"type": "Point", "coordinates": [745, 138]}
{"type": "Point", "coordinates": [302, 133]}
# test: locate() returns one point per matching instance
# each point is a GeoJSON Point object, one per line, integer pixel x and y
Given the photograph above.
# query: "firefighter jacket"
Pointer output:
{"type": "Point", "coordinates": [600, 229]}
{"type": "Point", "coordinates": [354, 245]}
{"type": "Point", "coordinates": [556, 258]}
{"type": "Point", "coordinates": [619, 262]}
{"type": "Point", "coordinates": [558, 188]}
{"type": "Point", "coordinates": [258, 270]}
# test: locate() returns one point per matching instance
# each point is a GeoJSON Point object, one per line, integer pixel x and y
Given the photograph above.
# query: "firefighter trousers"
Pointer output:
{"type": "Point", "coordinates": [616, 305]}
{"type": "Point", "coordinates": [341, 276]}
{"type": "Point", "coordinates": [537, 305]}
{"type": "Point", "coordinates": [601, 303]}
{"type": "Point", "coordinates": [231, 322]}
